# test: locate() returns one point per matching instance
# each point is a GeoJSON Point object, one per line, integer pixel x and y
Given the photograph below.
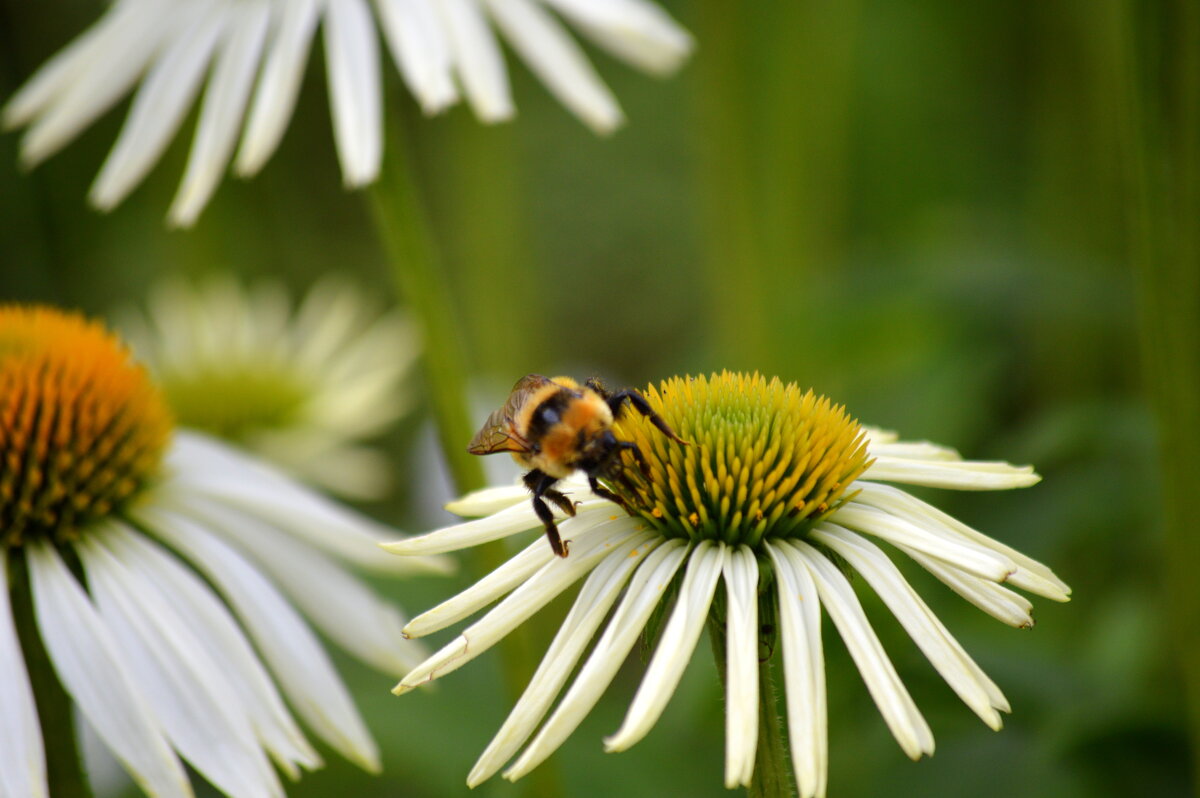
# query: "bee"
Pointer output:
{"type": "Point", "coordinates": [555, 427]}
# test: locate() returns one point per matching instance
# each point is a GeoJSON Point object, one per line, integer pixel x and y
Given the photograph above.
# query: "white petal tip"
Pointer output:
{"type": "Point", "coordinates": [402, 688]}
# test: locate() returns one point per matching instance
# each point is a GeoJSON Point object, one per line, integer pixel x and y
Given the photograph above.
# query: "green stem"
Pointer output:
{"type": "Point", "coordinates": [64, 770]}
{"type": "Point", "coordinates": [1160, 136]}
{"type": "Point", "coordinates": [772, 765]}
{"type": "Point", "coordinates": [420, 279]}
{"type": "Point", "coordinates": [398, 210]}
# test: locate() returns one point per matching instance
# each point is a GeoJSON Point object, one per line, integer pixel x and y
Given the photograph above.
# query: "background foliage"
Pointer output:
{"type": "Point", "coordinates": [918, 208]}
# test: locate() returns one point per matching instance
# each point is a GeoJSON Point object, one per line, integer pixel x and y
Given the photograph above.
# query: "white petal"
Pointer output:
{"type": "Point", "coordinates": [944, 652]}
{"type": "Point", "coordinates": [515, 571]}
{"type": "Point", "coordinates": [293, 652]}
{"type": "Point", "coordinates": [22, 763]}
{"type": "Point", "coordinates": [221, 114]}
{"type": "Point", "coordinates": [675, 646]}
{"type": "Point", "coordinates": [877, 436]}
{"type": "Point", "coordinates": [956, 475]}
{"type": "Point", "coordinates": [556, 58]}
{"type": "Point", "coordinates": [914, 450]}
{"type": "Point", "coordinates": [640, 32]}
{"type": "Point", "coordinates": [210, 619]}
{"type": "Point", "coordinates": [188, 695]}
{"type": "Point", "coordinates": [414, 35]}
{"type": "Point", "coordinates": [741, 666]}
{"type": "Point", "coordinates": [591, 607]}
{"type": "Point", "coordinates": [91, 670]}
{"type": "Point", "coordinates": [960, 553]}
{"type": "Point", "coordinates": [477, 56]}
{"type": "Point", "coordinates": [1030, 575]}
{"type": "Point", "coordinates": [996, 600]}
{"type": "Point", "coordinates": [278, 84]}
{"type": "Point", "coordinates": [645, 590]}
{"type": "Point", "coordinates": [355, 96]}
{"type": "Point", "coordinates": [160, 104]}
{"type": "Point", "coordinates": [517, 518]}
{"type": "Point", "coordinates": [201, 464]}
{"type": "Point", "coordinates": [894, 703]}
{"type": "Point", "coordinates": [64, 67]}
{"type": "Point", "coordinates": [553, 578]}
{"type": "Point", "coordinates": [345, 609]}
{"type": "Point", "coordinates": [803, 669]}
{"type": "Point", "coordinates": [488, 501]}
{"type": "Point", "coordinates": [101, 74]}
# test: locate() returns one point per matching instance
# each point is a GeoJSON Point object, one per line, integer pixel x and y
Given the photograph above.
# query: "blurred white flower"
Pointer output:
{"type": "Point", "coordinates": [778, 492]}
{"type": "Point", "coordinates": [301, 388]}
{"type": "Point", "coordinates": [254, 53]}
{"type": "Point", "coordinates": [168, 574]}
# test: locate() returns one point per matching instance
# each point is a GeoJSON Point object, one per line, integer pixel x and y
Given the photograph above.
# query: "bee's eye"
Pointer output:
{"type": "Point", "coordinates": [547, 416]}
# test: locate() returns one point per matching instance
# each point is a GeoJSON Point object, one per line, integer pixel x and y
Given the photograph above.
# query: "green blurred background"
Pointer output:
{"type": "Point", "coordinates": [917, 208]}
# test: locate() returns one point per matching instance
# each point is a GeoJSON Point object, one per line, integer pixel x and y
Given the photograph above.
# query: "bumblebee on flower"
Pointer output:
{"type": "Point", "coordinates": [776, 480]}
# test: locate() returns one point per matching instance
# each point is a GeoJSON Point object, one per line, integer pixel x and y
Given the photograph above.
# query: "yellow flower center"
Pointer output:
{"type": "Point", "coordinates": [82, 428]}
{"type": "Point", "coordinates": [765, 460]}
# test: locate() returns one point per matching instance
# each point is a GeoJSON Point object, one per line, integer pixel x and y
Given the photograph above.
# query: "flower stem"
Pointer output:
{"type": "Point", "coordinates": [404, 230]}
{"type": "Point", "coordinates": [64, 770]}
{"type": "Point", "coordinates": [1159, 129]}
{"type": "Point", "coordinates": [398, 211]}
{"type": "Point", "coordinates": [772, 765]}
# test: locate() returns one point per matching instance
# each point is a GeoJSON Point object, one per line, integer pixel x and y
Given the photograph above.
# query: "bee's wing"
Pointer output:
{"type": "Point", "coordinates": [499, 433]}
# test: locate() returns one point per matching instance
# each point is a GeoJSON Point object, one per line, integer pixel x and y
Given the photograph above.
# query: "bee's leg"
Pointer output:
{"type": "Point", "coordinates": [605, 493]}
{"type": "Point", "coordinates": [535, 478]}
{"type": "Point", "coordinates": [539, 483]}
{"type": "Point", "coordinates": [637, 455]}
{"type": "Point", "coordinates": [617, 400]}
{"type": "Point", "coordinates": [598, 387]}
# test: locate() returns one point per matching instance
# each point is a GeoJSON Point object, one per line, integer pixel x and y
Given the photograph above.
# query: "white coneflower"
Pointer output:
{"type": "Point", "coordinates": [168, 575]}
{"type": "Point", "coordinates": [301, 388]}
{"type": "Point", "coordinates": [779, 492]}
{"type": "Point", "coordinates": [254, 54]}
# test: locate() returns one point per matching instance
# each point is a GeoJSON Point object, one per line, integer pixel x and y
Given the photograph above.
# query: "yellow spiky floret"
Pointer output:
{"type": "Point", "coordinates": [766, 459]}
{"type": "Point", "coordinates": [82, 427]}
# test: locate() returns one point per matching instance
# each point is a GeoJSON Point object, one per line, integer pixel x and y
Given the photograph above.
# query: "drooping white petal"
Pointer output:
{"type": "Point", "coordinates": [803, 669]}
{"type": "Point", "coordinates": [106, 67]}
{"type": "Point", "coordinates": [204, 613]}
{"type": "Point", "coordinates": [293, 652]}
{"type": "Point", "coordinates": [204, 465]}
{"type": "Point", "coordinates": [355, 94]}
{"type": "Point", "coordinates": [1030, 575]}
{"type": "Point", "coordinates": [956, 475]}
{"type": "Point", "coordinates": [553, 578]}
{"type": "Point", "coordinates": [22, 761]}
{"type": "Point", "coordinates": [278, 83]}
{"type": "Point", "coordinates": [675, 646]}
{"type": "Point", "coordinates": [555, 57]}
{"type": "Point", "coordinates": [89, 665]}
{"type": "Point", "coordinates": [56, 75]}
{"type": "Point", "coordinates": [221, 113]}
{"type": "Point", "coordinates": [637, 31]}
{"type": "Point", "coordinates": [741, 666]}
{"type": "Point", "coordinates": [345, 609]}
{"type": "Point", "coordinates": [591, 606]}
{"type": "Point", "coordinates": [645, 590]}
{"type": "Point", "coordinates": [960, 553]}
{"type": "Point", "coordinates": [945, 653]}
{"type": "Point", "coordinates": [185, 687]}
{"type": "Point", "coordinates": [160, 104]}
{"type": "Point", "coordinates": [478, 60]}
{"type": "Point", "coordinates": [515, 571]}
{"type": "Point", "coordinates": [419, 47]}
{"type": "Point", "coordinates": [996, 600]}
{"type": "Point", "coordinates": [894, 703]}
{"type": "Point", "coordinates": [517, 518]}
